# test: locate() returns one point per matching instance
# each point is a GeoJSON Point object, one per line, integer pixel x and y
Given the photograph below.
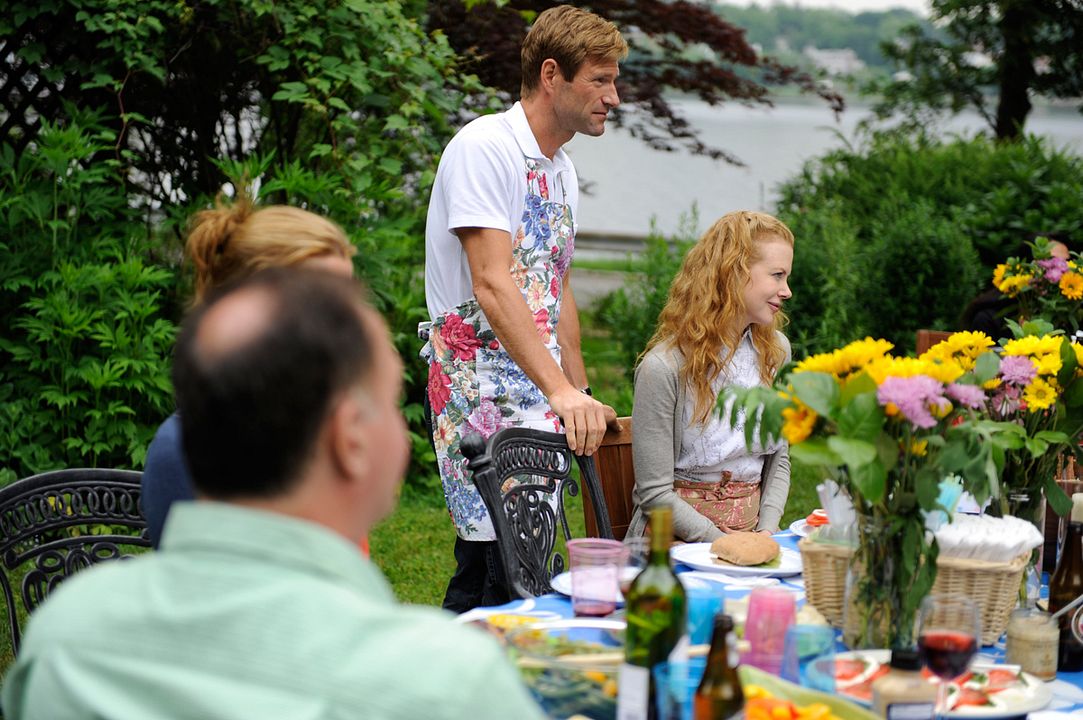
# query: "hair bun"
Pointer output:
{"type": "Point", "coordinates": [210, 231]}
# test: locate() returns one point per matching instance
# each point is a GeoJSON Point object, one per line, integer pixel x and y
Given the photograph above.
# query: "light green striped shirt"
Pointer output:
{"type": "Point", "coordinates": [245, 615]}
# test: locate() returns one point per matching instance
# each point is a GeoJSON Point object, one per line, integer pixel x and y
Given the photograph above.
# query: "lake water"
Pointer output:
{"type": "Point", "coordinates": [631, 183]}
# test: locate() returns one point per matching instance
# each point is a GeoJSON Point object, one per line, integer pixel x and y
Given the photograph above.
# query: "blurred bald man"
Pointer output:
{"type": "Point", "coordinates": [258, 604]}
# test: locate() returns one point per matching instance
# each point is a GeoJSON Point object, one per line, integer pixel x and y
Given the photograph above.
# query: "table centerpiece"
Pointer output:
{"type": "Point", "coordinates": [888, 430]}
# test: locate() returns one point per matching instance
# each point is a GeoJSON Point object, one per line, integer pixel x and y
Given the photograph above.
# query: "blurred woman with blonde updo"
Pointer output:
{"type": "Point", "coordinates": [720, 326]}
{"type": "Point", "coordinates": [225, 244]}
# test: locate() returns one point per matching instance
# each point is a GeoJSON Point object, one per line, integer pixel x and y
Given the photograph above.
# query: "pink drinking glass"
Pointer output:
{"type": "Point", "coordinates": [771, 611]}
{"type": "Point", "coordinates": [595, 567]}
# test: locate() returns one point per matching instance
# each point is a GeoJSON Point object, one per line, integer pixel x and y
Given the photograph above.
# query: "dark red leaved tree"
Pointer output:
{"type": "Point", "coordinates": [675, 48]}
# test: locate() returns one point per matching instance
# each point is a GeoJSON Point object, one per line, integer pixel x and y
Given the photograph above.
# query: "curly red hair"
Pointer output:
{"type": "Point", "coordinates": [704, 313]}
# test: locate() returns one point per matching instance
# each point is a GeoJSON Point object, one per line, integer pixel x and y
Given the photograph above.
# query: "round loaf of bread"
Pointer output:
{"type": "Point", "coordinates": [745, 548]}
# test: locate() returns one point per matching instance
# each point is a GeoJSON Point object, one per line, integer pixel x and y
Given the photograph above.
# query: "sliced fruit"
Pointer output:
{"type": "Point", "coordinates": [970, 696]}
{"type": "Point", "coordinates": [1000, 679]}
{"type": "Point", "coordinates": [849, 669]}
{"type": "Point", "coordinates": [863, 689]}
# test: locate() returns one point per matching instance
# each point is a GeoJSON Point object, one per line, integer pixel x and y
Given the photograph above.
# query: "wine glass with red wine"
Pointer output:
{"type": "Point", "coordinates": [948, 630]}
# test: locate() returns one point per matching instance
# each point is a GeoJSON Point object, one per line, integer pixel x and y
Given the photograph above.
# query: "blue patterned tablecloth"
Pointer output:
{"type": "Point", "coordinates": [1067, 688]}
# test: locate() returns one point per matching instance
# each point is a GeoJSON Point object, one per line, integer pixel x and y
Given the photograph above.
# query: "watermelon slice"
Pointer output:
{"type": "Point", "coordinates": [849, 669]}
{"type": "Point", "coordinates": [862, 691]}
{"type": "Point", "coordinates": [972, 697]}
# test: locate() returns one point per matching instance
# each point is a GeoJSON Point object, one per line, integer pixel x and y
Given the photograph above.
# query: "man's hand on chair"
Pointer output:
{"type": "Point", "coordinates": [585, 419]}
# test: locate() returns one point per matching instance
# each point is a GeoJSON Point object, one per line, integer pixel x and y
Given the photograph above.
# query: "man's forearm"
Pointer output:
{"type": "Point", "coordinates": [489, 253]}
{"type": "Point", "coordinates": [511, 320]}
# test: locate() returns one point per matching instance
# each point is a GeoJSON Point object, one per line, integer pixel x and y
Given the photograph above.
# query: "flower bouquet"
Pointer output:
{"type": "Point", "coordinates": [888, 429]}
{"type": "Point", "coordinates": [1036, 390]}
{"type": "Point", "coordinates": [1045, 287]}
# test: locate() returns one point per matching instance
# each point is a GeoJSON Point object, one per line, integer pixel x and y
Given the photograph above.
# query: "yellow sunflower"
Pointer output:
{"type": "Point", "coordinates": [798, 424]}
{"type": "Point", "coordinates": [1014, 285]}
{"type": "Point", "coordinates": [860, 353]}
{"type": "Point", "coordinates": [1071, 285]}
{"type": "Point", "coordinates": [1039, 395]}
{"type": "Point", "coordinates": [998, 276]}
{"type": "Point", "coordinates": [1048, 364]}
{"type": "Point", "coordinates": [822, 362]}
{"type": "Point", "coordinates": [1027, 345]}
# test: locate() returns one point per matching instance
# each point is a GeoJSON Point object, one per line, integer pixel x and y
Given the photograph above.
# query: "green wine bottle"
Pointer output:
{"type": "Point", "coordinates": [655, 611]}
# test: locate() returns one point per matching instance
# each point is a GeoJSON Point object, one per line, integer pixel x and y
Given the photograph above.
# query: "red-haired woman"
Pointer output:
{"type": "Point", "coordinates": [720, 326]}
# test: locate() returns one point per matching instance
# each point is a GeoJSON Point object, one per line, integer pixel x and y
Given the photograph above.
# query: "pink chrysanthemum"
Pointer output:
{"type": "Point", "coordinates": [1017, 370]}
{"type": "Point", "coordinates": [914, 396]}
{"type": "Point", "coordinates": [970, 395]}
{"type": "Point", "coordinates": [1054, 268]}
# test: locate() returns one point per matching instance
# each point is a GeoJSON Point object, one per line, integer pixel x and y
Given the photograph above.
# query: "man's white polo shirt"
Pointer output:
{"type": "Point", "coordinates": [481, 182]}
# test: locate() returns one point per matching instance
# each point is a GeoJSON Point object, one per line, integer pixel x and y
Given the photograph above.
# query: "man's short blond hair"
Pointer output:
{"type": "Point", "coordinates": [569, 36]}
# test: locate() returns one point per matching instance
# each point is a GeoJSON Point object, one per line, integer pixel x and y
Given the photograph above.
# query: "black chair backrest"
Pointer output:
{"type": "Point", "coordinates": [526, 514]}
{"type": "Point", "coordinates": [57, 523]}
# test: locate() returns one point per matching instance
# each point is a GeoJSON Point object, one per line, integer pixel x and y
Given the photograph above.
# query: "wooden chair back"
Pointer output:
{"type": "Point", "coordinates": [616, 474]}
{"type": "Point", "coordinates": [928, 338]}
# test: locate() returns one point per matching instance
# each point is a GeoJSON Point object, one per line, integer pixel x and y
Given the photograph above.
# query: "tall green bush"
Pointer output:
{"type": "Point", "coordinates": [84, 354]}
{"type": "Point", "coordinates": [341, 107]}
{"type": "Point", "coordinates": [900, 232]}
{"type": "Point", "coordinates": [631, 312]}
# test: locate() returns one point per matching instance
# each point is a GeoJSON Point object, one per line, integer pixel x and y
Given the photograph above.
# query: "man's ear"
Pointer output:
{"type": "Point", "coordinates": [347, 439]}
{"type": "Point", "coordinates": [549, 72]}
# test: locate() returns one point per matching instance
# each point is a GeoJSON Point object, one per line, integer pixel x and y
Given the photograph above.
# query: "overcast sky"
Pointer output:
{"type": "Point", "coordinates": [919, 6]}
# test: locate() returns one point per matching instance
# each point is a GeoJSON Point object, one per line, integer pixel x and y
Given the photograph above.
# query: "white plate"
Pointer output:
{"type": "Point", "coordinates": [526, 607]}
{"type": "Point", "coordinates": [800, 528]}
{"type": "Point", "coordinates": [699, 577]}
{"type": "Point", "coordinates": [698, 556]}
{"type": "Point", "coordinates": [1035, 696]}
{"type": "Point", "coordinates": [562, 583]}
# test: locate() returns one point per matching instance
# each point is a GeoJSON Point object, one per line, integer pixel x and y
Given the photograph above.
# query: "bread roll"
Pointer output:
{"type": "Point", "coordinates": [745, 548]}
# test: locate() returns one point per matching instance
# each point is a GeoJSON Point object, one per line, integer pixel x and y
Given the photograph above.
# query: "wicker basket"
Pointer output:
{"type": "Point", "coordinates": [824, 570]}
{"type": "Point", "coordinates": [993, 585]}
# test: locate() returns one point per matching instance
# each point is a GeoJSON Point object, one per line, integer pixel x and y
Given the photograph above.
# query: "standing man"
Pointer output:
{"type": "Point", "coordinates": [503, 344]}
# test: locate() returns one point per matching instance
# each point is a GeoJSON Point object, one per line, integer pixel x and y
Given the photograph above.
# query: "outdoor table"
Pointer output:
{"type": "Point", "coordinates": [1067, 688]}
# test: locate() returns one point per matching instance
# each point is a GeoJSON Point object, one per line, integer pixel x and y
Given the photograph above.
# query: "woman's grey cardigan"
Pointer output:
{"type": "Point", "coordinates": [657, 425]}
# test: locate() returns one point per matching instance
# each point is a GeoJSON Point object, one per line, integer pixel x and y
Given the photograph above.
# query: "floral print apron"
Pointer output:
{"type": "Point", "coordinates": [474, 385]}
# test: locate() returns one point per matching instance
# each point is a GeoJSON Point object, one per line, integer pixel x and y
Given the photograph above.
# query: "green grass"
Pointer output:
{"type": "Point", "coordinates": [625, 264]}
{"type": "Point", "coordinates": [414, 548]}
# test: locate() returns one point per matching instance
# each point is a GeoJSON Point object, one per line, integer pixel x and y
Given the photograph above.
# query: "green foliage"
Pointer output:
{"type": "Point", "coordinates": [902, 232]}
{"type": "Point", "coordinates": [338, 106]}
{"type": "Point", "coordinates": [366, 87]}
{"type": "Point", "coordinates": [631, 313]}
{"type": "Point", "coordinates": [356, 86]}
{"type": "Point", "coordinates": [798, 27]}
{"type": "Point", "coordinates": [84, 357]}
{"type": "Point", "coordinates": [985, 53]}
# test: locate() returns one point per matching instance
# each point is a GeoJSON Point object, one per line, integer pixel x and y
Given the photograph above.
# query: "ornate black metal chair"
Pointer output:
{"type": "Point", "coordinates": [527, 513]}
{"type": "Point", "coordinates": [57, 523]}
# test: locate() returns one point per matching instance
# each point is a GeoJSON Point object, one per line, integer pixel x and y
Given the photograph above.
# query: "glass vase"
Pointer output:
{"type": "Point", "coordinates": [875, 614]}
{"type": "Point", "coordinates": [1027, 503]}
